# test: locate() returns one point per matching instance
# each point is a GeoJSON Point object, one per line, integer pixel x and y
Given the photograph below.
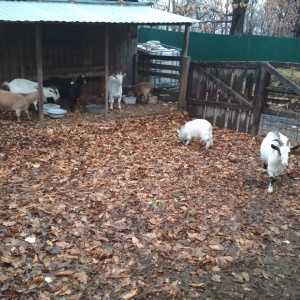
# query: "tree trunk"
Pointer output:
{"type": "Point", "coordinates": [297, 26]}
{"type": "Point", "coordinates": [238, 17]}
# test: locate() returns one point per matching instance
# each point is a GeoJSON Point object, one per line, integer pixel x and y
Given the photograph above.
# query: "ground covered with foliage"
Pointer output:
{"type": "Point", "coordinates": [117, 209]}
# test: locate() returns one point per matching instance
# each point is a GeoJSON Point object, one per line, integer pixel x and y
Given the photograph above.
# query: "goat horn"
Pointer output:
{"type": "Point", "coordinates": [279, 142]}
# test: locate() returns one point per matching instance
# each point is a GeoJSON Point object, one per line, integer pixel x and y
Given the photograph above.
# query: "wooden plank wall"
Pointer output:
{"type": "Point", "coordinates": [18, 54]}
{"type": "Point", "coordinates": [215, 98]}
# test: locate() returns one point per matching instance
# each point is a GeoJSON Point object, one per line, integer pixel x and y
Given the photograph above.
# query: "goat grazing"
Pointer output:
{"type": "Point", "coordinates": [18, 102]}
{"type": "Point", "coordinates": [24, 86]}
{"type": "Point", "coordinates": [115, 88]}
{"type": "Point", "coordinates": [68, 88]}
{"type": "Point", "coordinates": [141, 91]}
{"type": "Point", "coordinates": [198, 128]}
{"type": "Point", "coordinates": [274, 150]}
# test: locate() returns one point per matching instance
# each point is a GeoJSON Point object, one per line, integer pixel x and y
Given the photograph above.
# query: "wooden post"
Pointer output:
{"type": "Point", "coordinates": [259, 98]}
{"type": "Point", "coordinates": [186, 40]}
{"type": "Point", "coordinates": [181, 103]}
{"type": "Point", "coordinates": [106, 72]}
{"type": "Point", "coordinates": [39, 73]}
{"type": "Point", "coordinates": [135, 68]}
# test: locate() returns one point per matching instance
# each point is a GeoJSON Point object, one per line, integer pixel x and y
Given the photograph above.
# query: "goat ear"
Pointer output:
{"type": "Point", "coordinates": [124, 75]}
{"type": "Point", "coordinates": [295, 147]}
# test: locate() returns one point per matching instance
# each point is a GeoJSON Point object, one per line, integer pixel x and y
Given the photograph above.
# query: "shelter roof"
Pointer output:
{"type": "Point", "coordinates": [88, 11]}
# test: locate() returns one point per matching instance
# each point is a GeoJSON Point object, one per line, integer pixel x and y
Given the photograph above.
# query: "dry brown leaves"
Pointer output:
{"type": "Point", "coordinates": [119, 210]}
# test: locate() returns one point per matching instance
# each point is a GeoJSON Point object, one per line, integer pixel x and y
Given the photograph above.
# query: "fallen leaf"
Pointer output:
{"type": "Point", "coordinates": [81, 276]}
{"type": "Point", "coordinates": [30, 239]}
{"type": "Point", "coordinates": [129, 295]}
{"type": "Point", "coordinates": [216, 278]}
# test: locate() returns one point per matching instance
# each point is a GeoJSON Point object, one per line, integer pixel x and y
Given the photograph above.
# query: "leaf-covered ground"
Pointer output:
{"type": "Point", "coordinates": [119, 210]}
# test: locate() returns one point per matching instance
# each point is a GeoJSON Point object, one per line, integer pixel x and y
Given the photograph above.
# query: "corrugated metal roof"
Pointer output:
{"type": "Point", "coordinates": [23, 11]}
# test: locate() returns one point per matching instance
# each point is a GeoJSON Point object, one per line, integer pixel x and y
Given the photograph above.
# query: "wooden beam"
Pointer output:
{"type": "Point", "coordinates": [135, 68]}
{"type": "Point", "coordinates": [184, 76]}
{"type": "Point", "coordinates": [106, 71]}
{"type": "Point", "coordinates": [159, 74]}
{"type": "Point", "coordinates": [259, 98]}
{"type": "Point", "coordinates": [95, 71]}
{"type": "Point", "coordinates": [148, 57]}
{"type": "Point", "coordinates": [219, 104]}
{"type": "Point", "coordinates": [149, 65]}
{"type": "Point", "coordinates": [280, 90]}
{"type": "Point", "coordinates": [281, 77]}
{"type": "Point", "coordinates": [186, 40]}
{"type": "Point", "coordinates": [39, 73]}
{"type": "Point", "coordinates": [227, 64]}
{"type": "Point", "coordinates": [285, 65]}
{"type": "Point", "coordinates": [157, 91]}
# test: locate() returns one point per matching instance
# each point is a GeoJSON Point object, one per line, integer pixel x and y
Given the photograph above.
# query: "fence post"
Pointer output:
{"type": "Point", "coordinates": [184, 76]}
{"type": "Point", "coordinates": [39, 72]}
{"type": "Point", "coordinates": [262, 82]}
{"type": "Point", "coordinates": [135, 68]}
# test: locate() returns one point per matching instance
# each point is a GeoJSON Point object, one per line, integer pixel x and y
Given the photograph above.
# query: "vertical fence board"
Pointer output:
{"type": "Point", "coordinates": [249, 85]}
{"type": "Point", "coordinates": [238, 80]}
{"type": "Point", "coordinates": [232, 122]}
{"type": "Point", "coordinates": [220, 117]}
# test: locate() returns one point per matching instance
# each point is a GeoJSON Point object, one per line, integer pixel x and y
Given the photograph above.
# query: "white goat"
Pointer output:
{"type": "Point", "coordinates": [115, 88]}
{"type": "Point", "coordinates": [274, 150]}
{"type": "Point", "coordinates": [18, 102]}
{"type": "Point", "coordinates": [25, 86]}
{"type": "Point", "coordinates": [198, 128]}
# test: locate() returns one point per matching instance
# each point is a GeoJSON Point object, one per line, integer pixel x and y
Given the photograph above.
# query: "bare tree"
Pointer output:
{"type": "Point", "coordinates": [238, 16]}
{"type": "Point", "coordinates": [263, 17]}
{"type": "Point", "coordinates": [281, 18]}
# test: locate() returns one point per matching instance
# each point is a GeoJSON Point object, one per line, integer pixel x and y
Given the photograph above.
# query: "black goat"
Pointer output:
{"type": "Point", "coordinates": [68, 88]}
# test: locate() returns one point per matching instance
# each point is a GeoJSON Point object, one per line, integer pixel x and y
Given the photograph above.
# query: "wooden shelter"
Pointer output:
{"type": "Point", "coordinates": [66, 39]}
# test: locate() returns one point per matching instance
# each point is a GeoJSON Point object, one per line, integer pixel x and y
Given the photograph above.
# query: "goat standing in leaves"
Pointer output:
{"type": "Point", "coordinates": [275, 150]}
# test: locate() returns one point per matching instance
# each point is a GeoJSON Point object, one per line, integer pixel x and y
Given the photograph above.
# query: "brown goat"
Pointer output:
{"type": "Point", "coordinates": [141, 91]}
{"type": "Point", "coordinates": [18, 102]}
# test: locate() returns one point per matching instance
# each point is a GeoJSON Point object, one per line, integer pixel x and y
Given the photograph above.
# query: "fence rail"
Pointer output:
{"type": "Point", "coordinates": [164, 77]}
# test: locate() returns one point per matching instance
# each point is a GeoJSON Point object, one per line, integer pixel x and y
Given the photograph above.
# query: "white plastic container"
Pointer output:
{"type": "Point", "coordinates": [156, 48]}
{"type": "Point", "coordinates": [56, 113]}
{"type": "Point", "coordinates": [129, 100]}
{"type": "Point", "coordinates": [48, 106]}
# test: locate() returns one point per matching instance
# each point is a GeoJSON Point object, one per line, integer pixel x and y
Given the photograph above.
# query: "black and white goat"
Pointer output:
{"type": "Point", "coordinates": [198, 128]}
{"type": "Point", "coordinates": [69, 89]}
{"type": "Point", "coordinates": [275, 150]}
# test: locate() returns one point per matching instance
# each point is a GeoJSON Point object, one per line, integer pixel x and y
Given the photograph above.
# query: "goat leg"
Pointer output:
{"type": "Point", "coordinates": [119, 101]}
{"type": "Point", "coordinates": [272, 180]}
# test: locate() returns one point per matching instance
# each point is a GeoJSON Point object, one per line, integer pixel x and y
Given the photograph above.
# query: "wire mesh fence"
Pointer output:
{"type": "Point", "coordinates": [287, 122]}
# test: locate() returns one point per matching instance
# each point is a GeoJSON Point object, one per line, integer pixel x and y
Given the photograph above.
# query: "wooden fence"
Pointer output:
{"type": "Point", "coordinates": [168, 73]}
{"type": "Point", "coordinates": [233, 94]}
{"type": "Point", "coordinates": [228, 94]}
